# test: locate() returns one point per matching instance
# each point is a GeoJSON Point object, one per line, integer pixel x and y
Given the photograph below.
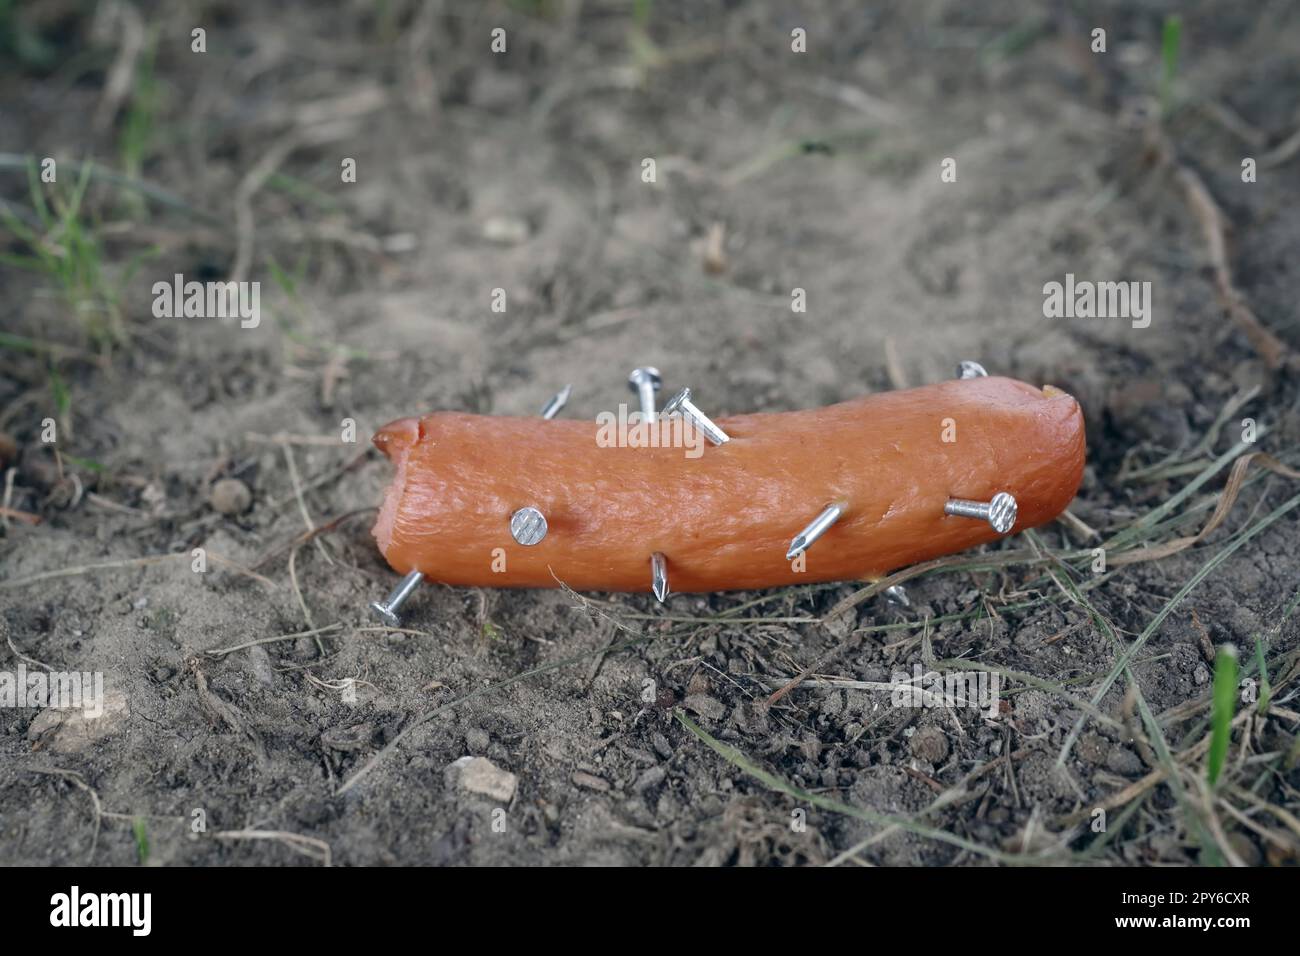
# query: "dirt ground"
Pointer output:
{"type": "Point", "coordinates": [620, 731]}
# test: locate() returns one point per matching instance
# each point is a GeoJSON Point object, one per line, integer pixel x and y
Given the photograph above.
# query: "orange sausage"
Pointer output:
{"type": "Point", "coordinates": [723, 520]}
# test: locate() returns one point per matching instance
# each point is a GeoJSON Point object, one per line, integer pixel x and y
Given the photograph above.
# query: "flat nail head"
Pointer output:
{"type": "Point", "coordinates": [681, 402]}
{"type": "Point", "coordinates": [675, 403]}
{"type": "Point", "coordinates": [386, 615]}
{"type": "Point", "coordinates": [386, 610]}
{"type": "Point", "coordinates": [969, 369]}
{"type": "Point", "coordinates": [528, 526]}
{"type": "Point", "coordinates": [897, 595]}
{"type": "Point", "coordinates": [646, 373]}
{"type": "Point", "coordinates": [1002, 512]}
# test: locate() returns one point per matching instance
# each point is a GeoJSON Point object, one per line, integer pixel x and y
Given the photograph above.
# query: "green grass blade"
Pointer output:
{"type": "Point", "coordinates": [141, 839]}
{"type": "Point", "coordinates": [1223, 709]}
{"type": "Point", "coordinates": [1170, 42]}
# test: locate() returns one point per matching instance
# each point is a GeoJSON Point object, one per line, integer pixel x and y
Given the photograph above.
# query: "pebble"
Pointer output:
{"type": "Point", "coordinates": [480, 775]}
{"type": "Point", "coordinates": [505, 230]}
{"type": "Point", "coordinates": [1093, 748]}
{"type": "Point", "coordinates": [1245, 848]}
{"type": "Point", "coordinates": [590, 781]}
{"type": "Point", "coordinates": [661, 745]}
{"type": "Point", "coordinates": [230, 496]}
{"type": "Point", "coordinates": [1124, 762]}
{"type": "Point", "coordinates": [705, 706]}
{"type": "Point", "coordinates": [70, 731]}
{"type": "Point", "coordinates": [651, 778]}
{"type": "Point", "coordinates": [929, 744]}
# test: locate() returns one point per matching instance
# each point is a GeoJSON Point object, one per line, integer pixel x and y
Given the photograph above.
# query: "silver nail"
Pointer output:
{"type": "Point", "coordinates": [897, 595]}
{"type": "Point", "coordinates": [557, 401]}
{"type": "Point", "coordinates": [816, 528]}
{"type": "Point", "coordinates": [969, 369]}
{"type": "Point", "coordinates": [681, 402]}
{"type": "Point", "coordinates": [1000, 513]}
{"type": "Point", "coordinates": [659, 576]}
{"type": "Point", "coordinates": [387, 610]}
{"type": "Point", "coordinates": [528, 526]}
{"type": "Point", "coordinates": [645, 382]}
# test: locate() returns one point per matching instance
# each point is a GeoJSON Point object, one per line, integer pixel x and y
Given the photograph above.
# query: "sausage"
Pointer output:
{"type": "Point", "coordinates": [723, 520]}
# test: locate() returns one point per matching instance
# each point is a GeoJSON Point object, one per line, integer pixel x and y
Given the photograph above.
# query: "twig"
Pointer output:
{"type": "Point", "coordinates": [24, 516]}
{"type": "Point", "coordinates": [78, 781]}
{"type": "Point", "coordinates": [302, 539]}
{"type": "Point", "coordinates": [1214, 226]}
{"type": "Point", "coordinates": [1281, 153]}
{"type": "Point", "coordinates": [1227, 498]}
{"type": "Point", "coordinates": [302, 505]}
{"type": "Point", "coordinates": [310, 847]}
{"type": "Point", "coordinates": [221, 652]}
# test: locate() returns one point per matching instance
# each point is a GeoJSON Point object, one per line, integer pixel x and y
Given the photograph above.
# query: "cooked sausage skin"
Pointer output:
{"type": "Point", "coordinates": [724, 519]}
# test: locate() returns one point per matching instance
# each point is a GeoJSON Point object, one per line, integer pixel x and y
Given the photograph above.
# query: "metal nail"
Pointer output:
{"type": "Point", "coordinates": [969, 369]}
{"type": "Point", "coordinates": [659, 576]}
{"type": "Point", "coordinates": [1000, 513]}
{"type": "Point", "coordinates": [816, 528]}
{"type": "Point", "coordinates": [528, 526]}
{"type": "Point", "coordinates": [551, 408]}
{"type": "Point", "coordinates": [645, 382]}
{"type": "Point", "coordinates": [681, 402]}
{"type": "Point", "coordinates": [388, 608]}
{"type": "Point", "coordinates": [897, 595]}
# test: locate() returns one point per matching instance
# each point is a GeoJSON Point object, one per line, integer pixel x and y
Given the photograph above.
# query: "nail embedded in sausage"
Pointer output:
{"type": "Point", "coordinates": [900, 462]}
{"type": "Point", "coordinates": [816, 528]}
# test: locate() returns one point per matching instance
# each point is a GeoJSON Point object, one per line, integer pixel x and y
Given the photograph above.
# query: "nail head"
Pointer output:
{"type": "Point", "coordinates": [528, 526]}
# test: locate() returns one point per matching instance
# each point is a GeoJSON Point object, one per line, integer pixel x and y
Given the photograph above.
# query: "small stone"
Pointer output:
{"type": "Point", "coordinates": [480, 775]}
{"type": "Point", "coordinates": [230, 496]}
{"type": "Point", "coordinates": [651, 778]}
{"type": "Point", "coordinates": [705, 706]}
{"type": "Point", "coordinates": [64, 493]}
{"type": "Point", "coordinates": [1124, 762]}
{"type": "Point", "coordinates": [505, 230]}
{"type": "Point", "coordinates": [1093, 748]}
{"type": "Point", "coordinates": [477, 740]}
{"type": "Point", "coordinates": [590, 781]}
{"type": "Point", "coordinates": [70, 731]}
{"type": "Point", "coordinates": [661, 745]}
{"type": "Point", "coordinates": [929, 744]}
{"type": "Point", "coordinates": [259, 662]}
{"type": "Point", "coordinates": [1245, 848]}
